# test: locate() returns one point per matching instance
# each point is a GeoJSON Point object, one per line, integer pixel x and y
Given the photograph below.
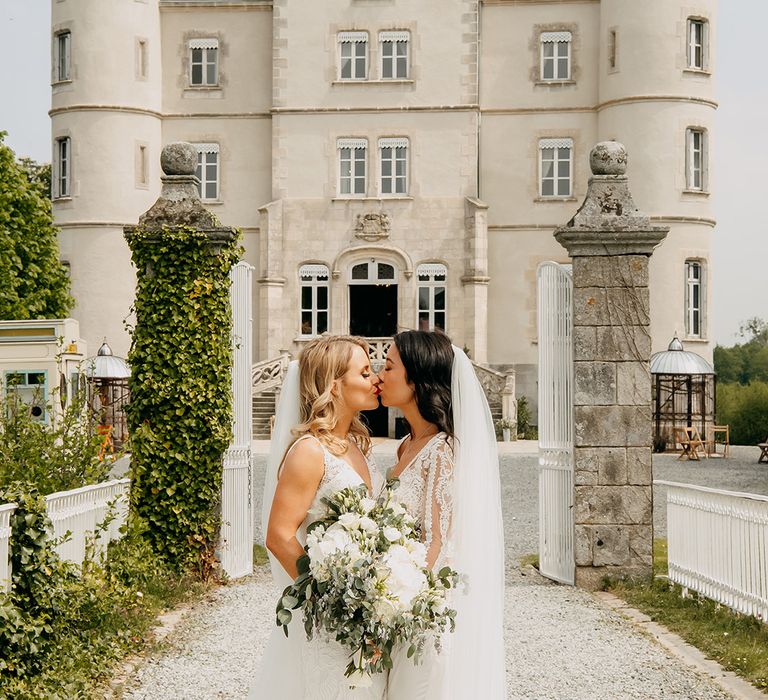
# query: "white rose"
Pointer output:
{"type": "Point", "coordinates": [384, 609]}
{"type": "Point", "coordinates": [406, 580]}
{"type": "Point", "coordinates": [392, 534]}
{"type": "Point", "coordinates": [350, 520]}
{"type": "Point", "coordinates": [368, 525]}
{"type": "Point", "coordinates": [418, 552]}
{"type": "Point", "coordinates": [367, 505]}
{"type": "Point", "coordinates": [397, 509]}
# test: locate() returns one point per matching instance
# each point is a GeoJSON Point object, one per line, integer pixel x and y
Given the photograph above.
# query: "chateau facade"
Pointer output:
{"type": "Point", "coordinates": [392, 164]}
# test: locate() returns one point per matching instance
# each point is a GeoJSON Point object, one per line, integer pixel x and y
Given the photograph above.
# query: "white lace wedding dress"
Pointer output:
{"type": "Point", "coordinates": [298, 669]}
{"type": "Point", "coordinates": [425, 491]}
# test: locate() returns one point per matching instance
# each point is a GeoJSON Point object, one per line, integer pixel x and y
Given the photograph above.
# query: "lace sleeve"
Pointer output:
{"type": "Point", "coordinates": [438, 505]}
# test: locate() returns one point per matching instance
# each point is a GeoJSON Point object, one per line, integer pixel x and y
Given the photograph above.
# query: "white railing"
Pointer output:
{"type": "Point", "coordinates": [6, 510]}
{"type": "Point", "coordinates": [377, 350]}
{"type": "Point", "coordinates": [718, 545]}
{"type": "Point", "coordinates": [269, 374]}
{"type": "Point", "coordinates": [77, 516]}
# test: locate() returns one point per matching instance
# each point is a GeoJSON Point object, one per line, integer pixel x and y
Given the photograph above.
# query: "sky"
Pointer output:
{"type": "Point", "coordinates": [739, 143]}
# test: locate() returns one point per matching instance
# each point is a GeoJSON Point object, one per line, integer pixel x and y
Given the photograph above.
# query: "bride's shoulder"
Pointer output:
{"type": "Point", "coordinates": [305, 459]}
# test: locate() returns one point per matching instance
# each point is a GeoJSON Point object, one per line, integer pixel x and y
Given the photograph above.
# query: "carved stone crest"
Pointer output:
{"type": "Point", "coordinates": [372, 226]}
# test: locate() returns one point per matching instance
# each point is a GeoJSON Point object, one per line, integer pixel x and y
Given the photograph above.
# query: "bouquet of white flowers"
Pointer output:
{"type": "Point", "coordinates": [364, 582]}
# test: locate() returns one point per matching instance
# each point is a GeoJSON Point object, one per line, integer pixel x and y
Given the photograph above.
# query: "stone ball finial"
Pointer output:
{"type": "Point", "coordinates": [608, 158]}
{"type": "Point", "coordinates": [179, 158]}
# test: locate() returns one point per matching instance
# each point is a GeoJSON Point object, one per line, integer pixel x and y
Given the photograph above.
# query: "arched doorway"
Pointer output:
{"type": "Point", "coordinates": [373, 314]}
{"type": "Point", "coordinates": [373, 299]}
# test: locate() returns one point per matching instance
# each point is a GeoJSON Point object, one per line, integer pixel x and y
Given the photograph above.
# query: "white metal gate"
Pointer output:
{"type": "Point", "coordinates": [236, 503]}
{"type": "Point", "coordinates": [555, 328]}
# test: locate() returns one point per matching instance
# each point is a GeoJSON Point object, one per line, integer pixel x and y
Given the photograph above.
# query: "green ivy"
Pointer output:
{"type": "Point", "coordinates": [180, 413]}
{"type": "Point", "coordinates": [26, 615]}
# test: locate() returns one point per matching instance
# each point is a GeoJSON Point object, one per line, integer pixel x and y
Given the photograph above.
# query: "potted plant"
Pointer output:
{"type": "Point", "coordinates": [506, 426]}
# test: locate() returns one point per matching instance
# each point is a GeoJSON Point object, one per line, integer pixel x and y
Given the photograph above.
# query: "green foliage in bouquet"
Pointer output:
{"type": "Point", "coordinates": [364, 581]}
{"type": "Point", "coordinates": [180, 413]}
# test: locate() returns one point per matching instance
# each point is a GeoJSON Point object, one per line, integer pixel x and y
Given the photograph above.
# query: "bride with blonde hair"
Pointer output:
{"type": "Point", "coordinates": [319, 446]}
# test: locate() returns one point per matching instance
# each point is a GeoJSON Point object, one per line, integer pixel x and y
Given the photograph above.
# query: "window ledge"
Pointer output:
{"type": "Point", "coordinates": [202, 91]}
{"type": "Point", "coordinates": [212, 202]}
{"type": "Point", "coordinates": [555, 199]}
{"type": "Point", "coordinates": [68, 198]}
{"type": "Point", "coordinates": [686, 339]}
{"type": "Point", "coordinates": [366, 81]}
{"type": "Point", "coordinates": [366, 198]}
{"type": "Point", "coordinates": [56, 83]}
{"type": "Point", "coordinates": [698, 71]}
{"type": "Point", "coordinates": [306, 338]}
{"type": "Point", "coordinates": [554, 83]}
{"type": "Point", "coordinates": [697, 193]}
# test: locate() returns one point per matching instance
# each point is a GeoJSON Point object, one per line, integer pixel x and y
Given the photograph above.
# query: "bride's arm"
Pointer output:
{"type": "Point", "coordinates": [296, 487]}
{"type": "Point", "coordinates": [439, 506]}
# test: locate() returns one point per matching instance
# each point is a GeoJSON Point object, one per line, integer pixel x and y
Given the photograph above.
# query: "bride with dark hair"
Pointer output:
{"type": "Point", "coordinates": [448, 474]}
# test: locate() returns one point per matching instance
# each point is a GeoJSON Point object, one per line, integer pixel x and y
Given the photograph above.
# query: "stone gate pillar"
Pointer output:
{"type": "Point", "coordinates": [610, 243]}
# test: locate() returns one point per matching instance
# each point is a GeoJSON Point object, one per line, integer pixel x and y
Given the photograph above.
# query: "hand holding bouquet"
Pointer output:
{"type": "Point", "coordinates": [365, 583]}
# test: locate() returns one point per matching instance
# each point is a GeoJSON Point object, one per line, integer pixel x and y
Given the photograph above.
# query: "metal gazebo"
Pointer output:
{"type": "Point", "coordinates": [683, 394]}
{"type": "Point", "coordinates": [107, 392]}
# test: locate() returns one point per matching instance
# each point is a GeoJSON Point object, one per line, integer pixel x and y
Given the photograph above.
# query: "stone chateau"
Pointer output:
{"type": "Point", "coordinates": [392, 164]}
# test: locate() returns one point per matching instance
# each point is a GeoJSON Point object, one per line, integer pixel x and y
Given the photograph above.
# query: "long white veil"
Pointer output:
{"type": "Point", "coordinates": [279, 676]}
{"type": "Point", "coordinates": [286, 419]}
{"type": "Point", "coordinates": [476, 667]}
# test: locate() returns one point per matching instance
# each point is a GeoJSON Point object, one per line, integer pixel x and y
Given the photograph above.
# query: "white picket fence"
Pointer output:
{"type": "Point", "coordinates": [75, 516]}
{"type": "Point", "coordinates": [6, 511]}
{"type": "Point", "coordinates": [80, 511]}
{"type": "Point", "coordinates": [718, 545]}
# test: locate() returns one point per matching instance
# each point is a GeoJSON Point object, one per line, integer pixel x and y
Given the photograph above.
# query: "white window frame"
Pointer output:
{"type": "Point", "coordinates": [204, 153]}
{"type": "Point", "coordinates": [698, 44]}
{"type": "Point", "coordinates": [63, 70]}
{"type": "Point", "coordinates": [432, 285]}
{"type": "Point", "coordinates": [314, 276]}
{"type": "Point", "coordinates": [63, 167]}
{"type": "Point", "coordinates": [390, 55]}
{"type": "Point", "coordinates": [393, 180]}
{"type": "Point", "coordinates": [350, 43]}
{"type": "Point", "coordinates": [559, 41]}
{"type": "Point", "coordinates": [209, 57]}
{"type": "Point", "coordinates": [696, 158]}
{"type": "Point", "coordinates": [353, 151]}
{"type": "Point", "coordinates": [372, 275]}
{"type": "Point", "coordinates": [694, 313]}
{"type": "Point", "coordinates": [16, 388]}
{"type": "Point", "coordinates": [556, 145]}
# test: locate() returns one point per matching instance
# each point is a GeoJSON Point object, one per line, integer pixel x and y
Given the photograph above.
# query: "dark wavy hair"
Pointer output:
{"type": "Point", "coordinates": [428, 361]}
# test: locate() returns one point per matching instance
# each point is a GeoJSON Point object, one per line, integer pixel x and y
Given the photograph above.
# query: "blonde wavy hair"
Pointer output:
{"type": "Point", "coordinates": [322, 362]}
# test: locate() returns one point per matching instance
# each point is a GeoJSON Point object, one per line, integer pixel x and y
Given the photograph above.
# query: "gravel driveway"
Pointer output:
{"type": "Point", "coordinates": [561, 643]}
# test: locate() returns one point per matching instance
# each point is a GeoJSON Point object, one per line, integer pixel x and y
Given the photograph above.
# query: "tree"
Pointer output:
{"type": "Point", "coordinates": [33, 282]}
{"type": "Point", "coordinates": [748, 361]}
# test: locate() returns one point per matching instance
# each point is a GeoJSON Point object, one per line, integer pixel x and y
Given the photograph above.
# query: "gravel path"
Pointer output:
{"type": "Point", "coordinates": [561, 643]}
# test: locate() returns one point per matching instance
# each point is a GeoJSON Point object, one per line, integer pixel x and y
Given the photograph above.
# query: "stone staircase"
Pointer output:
{"type": "Point", "coordinates": [263, 410]}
